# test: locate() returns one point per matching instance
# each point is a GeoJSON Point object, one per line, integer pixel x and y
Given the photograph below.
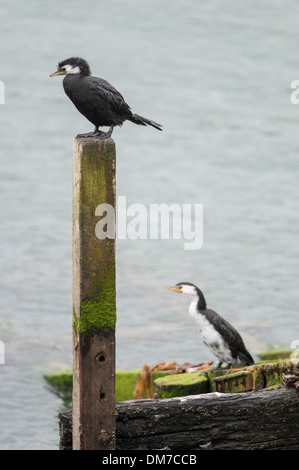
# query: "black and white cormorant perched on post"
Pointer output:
{"type": "Point", "coordinates": [217, 334]}
{"type": "Point", "coordinates": [96, 99]}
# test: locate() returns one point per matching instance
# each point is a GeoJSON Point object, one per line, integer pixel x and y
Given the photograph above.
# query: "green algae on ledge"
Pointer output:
{"type": "Point", "coordinates": [175, 385]}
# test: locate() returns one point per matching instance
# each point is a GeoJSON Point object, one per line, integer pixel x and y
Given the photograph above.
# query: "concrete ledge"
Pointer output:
{"type": "Point", "coordinates": [252, 378]}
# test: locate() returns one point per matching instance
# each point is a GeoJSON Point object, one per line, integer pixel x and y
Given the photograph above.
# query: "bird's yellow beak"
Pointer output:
{"type": "Point", "coordinates": [59, 72]}
{"type": "Point", "coordinates": [176, 289]}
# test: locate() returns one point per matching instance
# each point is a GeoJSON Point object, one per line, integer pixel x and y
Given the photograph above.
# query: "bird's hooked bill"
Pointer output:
{"type": "Point", "coordinates": [58, 72]}
{"type": "Point", "coordinates": [176, 289]}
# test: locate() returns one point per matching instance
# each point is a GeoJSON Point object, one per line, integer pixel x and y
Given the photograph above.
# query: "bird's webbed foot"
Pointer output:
{"type": "Point", "coordinates": [91, 134]}
{"type": "Point", "coordinates": [97, 134]}
{"type": "Point", "coordinates": [104, 135]}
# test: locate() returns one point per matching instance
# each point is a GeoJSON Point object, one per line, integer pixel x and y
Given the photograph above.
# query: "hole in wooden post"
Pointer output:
{"type": "Point", "coordinates": [102, 394]}
{"type": "Point", "coordinates": [100, 358]}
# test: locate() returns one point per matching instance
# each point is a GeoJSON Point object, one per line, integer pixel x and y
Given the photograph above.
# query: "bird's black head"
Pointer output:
{"type": "Point", "coordinates": [72, 65]}
{"type": "Point", "coordinates": [187, 288]}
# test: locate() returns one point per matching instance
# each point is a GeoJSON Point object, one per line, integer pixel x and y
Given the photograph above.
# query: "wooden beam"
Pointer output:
{"type": "Point", "coordinates": [94, 298]}
{"type": "Point", "coordinates": [265, 420]}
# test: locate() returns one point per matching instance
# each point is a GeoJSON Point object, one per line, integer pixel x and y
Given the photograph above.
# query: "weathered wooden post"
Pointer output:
{"type": "Point", "coordinates": [94, 298]}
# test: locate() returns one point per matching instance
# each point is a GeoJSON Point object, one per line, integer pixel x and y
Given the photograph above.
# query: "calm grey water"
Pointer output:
{"type": "Point", "coordinates": [217, 75]}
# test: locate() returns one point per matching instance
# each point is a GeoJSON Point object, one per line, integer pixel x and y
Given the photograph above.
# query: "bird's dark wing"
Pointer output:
{"type": "Point", "coordinates": [108, 93]}
{"type": "Point", "coordinates": [232, 336]}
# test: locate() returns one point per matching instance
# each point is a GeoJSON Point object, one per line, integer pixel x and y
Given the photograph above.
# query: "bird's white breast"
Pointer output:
{"type": "Point", "coordinates": [209, 334]}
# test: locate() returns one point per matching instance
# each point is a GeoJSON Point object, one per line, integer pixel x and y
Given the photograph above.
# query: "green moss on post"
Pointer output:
{"type": "Point", "coordinates": [95, 315]}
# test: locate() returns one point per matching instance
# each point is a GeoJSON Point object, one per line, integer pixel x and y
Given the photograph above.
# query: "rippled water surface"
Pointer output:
{"type": "Point", "coordinates": [217, 75]}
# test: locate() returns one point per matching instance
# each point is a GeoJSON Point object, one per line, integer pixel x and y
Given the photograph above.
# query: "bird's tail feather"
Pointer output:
{"type": "Point", "coordinates": [246, 358]}
{"type": "Point", "coordinates": [142, 121]}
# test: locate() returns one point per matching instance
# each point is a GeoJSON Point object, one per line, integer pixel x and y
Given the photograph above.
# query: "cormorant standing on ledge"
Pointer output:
{"type": "Point", "coordinates": [96, 99]}
{"type": "Point", "coordinates": [218, 334]}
